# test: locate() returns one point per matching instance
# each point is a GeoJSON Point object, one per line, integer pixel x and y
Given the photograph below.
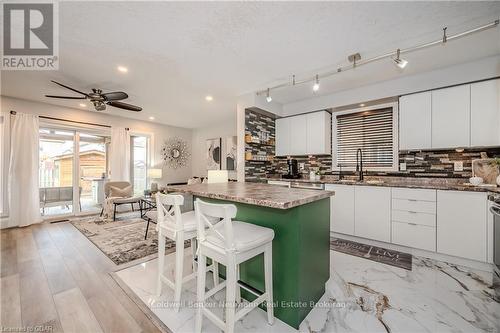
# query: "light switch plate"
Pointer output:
{"type": "Point", "coordinates": [402, 166]}
{"type": "Point", "coordinates": [302, 166]}
{"type": "Point", "coordinates": [458, 166]}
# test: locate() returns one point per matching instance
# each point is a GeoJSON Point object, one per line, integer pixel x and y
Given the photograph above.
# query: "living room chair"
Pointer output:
{"type": "Point", "coordinates": [129, 199]}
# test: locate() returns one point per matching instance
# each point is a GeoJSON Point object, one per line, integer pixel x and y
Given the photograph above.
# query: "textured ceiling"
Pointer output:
{"type": "Point", "coordinates": [178, 52]}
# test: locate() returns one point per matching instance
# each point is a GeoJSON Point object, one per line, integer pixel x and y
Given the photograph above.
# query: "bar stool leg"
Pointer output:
{"type": "Point", "coordinates": [216, 272]}
{"type": "Point", "coordinates": [238, 290]}
{"type": "Point", "coordinates": [161, 262]}
{"type": "Point", "coordinates": [230, 295]}
{"type": "Point", "coordinates": [268, 277]}
{"type": "Point", "coordinates": [179, 268]}
{"type": "Point", "coordinates": [202, 271]}
{"type": "Point", "coordinates": [193, 249]}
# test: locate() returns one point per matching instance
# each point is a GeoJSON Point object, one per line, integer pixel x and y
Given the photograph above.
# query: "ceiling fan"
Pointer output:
{"type": "Point", "coordinates": [100, 99]}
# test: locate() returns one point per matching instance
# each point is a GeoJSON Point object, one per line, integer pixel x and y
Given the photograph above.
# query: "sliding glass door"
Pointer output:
{"type": "Point", "coordinates": [56, 171]}
{"type": "Point", "coordinates": [73, 169]}
{"type": "Point", "coordinates": [92, 171]}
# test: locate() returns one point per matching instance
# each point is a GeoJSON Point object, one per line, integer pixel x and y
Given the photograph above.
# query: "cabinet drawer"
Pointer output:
{"type": "Point", "coordinates": [414, 194]}
{"type": "Point", "coordinates": [414, 217]}
{"type": "Point", "coordinates": [412, 205]}
{"type": "Point", "coordinates": [413, 235]}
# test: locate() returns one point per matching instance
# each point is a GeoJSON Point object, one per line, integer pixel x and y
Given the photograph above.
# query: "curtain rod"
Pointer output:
{"type": "Point", "coordinates": [70, 121]}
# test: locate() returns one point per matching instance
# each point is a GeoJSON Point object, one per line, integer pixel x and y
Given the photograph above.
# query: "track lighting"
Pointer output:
{"type": "Point", "coordinates": [316, 83]}
{"type": "Point", "coordinates": [401, 63]}
{"type": "Point", "coordinates": [268, 96]}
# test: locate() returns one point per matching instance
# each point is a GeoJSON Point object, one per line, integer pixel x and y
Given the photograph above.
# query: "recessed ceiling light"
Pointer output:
{"type": "Point", "coordinates": [151, 118]}
{"type": "Point", "coordinates": [361, 105]}
{"type": "Point", "coordinates": [209, 98]}
{"type": "Point", "coordinates": [122, 69]}
{"type": "Point", "coordinates": [83, 105]}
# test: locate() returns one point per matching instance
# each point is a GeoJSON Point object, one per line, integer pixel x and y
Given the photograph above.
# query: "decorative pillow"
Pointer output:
{"type": "Point", "coordinates": [125, 192]}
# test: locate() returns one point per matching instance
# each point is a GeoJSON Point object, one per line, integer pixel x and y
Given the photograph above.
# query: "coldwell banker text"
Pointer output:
{"type": "Point", "coordinates": [30, 38]}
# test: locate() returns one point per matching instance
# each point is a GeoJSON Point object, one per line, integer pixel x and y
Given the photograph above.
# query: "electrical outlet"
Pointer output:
{"type": "Point", "coordinates": [458, 166]}
{"type": "Point", "coordinates": [302, 166]}
{"type": "Point", "coordinates": [402, 166]}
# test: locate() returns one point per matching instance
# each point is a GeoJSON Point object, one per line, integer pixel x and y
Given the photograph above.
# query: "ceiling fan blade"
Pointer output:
{"type": "Point", "coordinates": [125, 106]}
{"type": "Point", "coordinates": [67, 97]}
{"type": "Point", "coordinates": [115, 96]}
{"type": "Point", "coordinates": [62, 85]}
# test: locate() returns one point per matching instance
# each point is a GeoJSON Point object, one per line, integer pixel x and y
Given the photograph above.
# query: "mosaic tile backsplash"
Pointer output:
{"type": "Point", "coordinates": [439, 163]}
{"type": "Point", "coordinates": [418, 164]}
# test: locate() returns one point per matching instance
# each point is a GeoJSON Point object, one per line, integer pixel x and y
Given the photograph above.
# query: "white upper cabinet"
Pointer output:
{"type": "Point", "coordinates": [485, 113]}
{"type": "Point", "coordinates": [451, 117]}
{"type": "Point", "coordinates": [298, 135]}
{"type": "Point", "coordinates": [282, 136]}
{"type": "Point", "coordinates": [415, 116]}
{"type": "Point", "coordinates": [307, 134]}
{"type": "Point", "coordinates": [319, 129]}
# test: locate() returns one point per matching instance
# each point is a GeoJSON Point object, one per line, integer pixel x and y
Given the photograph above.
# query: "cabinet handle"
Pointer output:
{"type": "Point", "coordinates": [412, 200]}
{"type": "Point", "coordinates": [412, 212]}
{"type": "Point", "coordinates": [414, 224]}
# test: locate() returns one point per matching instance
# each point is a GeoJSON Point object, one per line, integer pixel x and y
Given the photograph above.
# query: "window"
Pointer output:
{"type": "Point", "coordinates": [374, 130]}
{"type": "Point", "coordinates": [139, 157]}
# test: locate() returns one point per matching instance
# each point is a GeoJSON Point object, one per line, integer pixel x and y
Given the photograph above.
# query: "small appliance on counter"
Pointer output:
{"type": "Point", "coordinates": [293, 169]}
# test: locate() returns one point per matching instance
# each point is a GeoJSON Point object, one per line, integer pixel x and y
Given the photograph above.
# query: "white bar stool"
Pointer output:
{"type": "Point", "coordinates": [177, 227]}
{"type": "Point", "coordinates": [230, 243]}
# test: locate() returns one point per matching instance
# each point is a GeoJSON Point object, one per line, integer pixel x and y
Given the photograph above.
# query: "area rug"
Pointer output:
{"type": "Point", "coordinates": [378, 254]}
{"type": "Point", "coordinates": [122, 240]}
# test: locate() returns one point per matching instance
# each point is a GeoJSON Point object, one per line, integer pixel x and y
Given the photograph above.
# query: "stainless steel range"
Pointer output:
{"type": "Point", "coordinates": [495, 210]}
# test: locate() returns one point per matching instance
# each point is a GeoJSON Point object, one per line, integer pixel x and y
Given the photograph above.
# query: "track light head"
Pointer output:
{"type": "Point", "coordinates": [401, 63]}
{"type": "Point", "coordinates": [269, 99]}
{"type": "Point", "coordinates": [316, 83]}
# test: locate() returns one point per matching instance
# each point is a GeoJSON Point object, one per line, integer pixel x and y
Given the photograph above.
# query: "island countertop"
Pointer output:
{"type": "Point", "coordinates": [254, 193]}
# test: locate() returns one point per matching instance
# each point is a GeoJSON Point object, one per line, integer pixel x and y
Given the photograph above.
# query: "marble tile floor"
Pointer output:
{"type": "Point", "coordinates": [362, 296]}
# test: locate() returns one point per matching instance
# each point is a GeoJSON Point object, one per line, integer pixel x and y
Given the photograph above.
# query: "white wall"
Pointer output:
{"type": "Point", "coordinates": [223, 129]}
{"type": "Point", "coordinates": [158, 133]}
{"type": "Point", "coordinates": [471, 71]}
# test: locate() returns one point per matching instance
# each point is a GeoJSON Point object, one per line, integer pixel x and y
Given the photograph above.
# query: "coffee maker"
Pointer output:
{"type": "Point", "coordinates": [293, 170]}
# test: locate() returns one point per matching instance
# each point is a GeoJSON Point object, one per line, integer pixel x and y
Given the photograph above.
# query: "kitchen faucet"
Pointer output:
{"type": "Point", "coordinates": [359, 163]}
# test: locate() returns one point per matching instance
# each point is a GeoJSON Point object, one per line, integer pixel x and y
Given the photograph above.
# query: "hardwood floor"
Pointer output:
{"type": "Point", "coordinates": [53, 276]}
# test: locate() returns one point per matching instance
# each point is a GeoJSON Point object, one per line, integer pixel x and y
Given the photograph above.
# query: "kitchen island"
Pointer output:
{"type": "Point", "coordinates": [300, 219]}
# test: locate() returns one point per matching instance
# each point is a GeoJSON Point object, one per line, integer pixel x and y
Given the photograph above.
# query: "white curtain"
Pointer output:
{"type": "Point", "coordinates": [24, 196]}
{"type": "Point", "coordinates": [120, 154]}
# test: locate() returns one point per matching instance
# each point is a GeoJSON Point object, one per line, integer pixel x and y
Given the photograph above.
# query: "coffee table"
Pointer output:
{"type": "Point", "coordinates": [147, 204]}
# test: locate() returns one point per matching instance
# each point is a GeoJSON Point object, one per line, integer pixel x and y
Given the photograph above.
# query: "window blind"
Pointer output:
{"type": "Point", "coordinates": [372, 131]}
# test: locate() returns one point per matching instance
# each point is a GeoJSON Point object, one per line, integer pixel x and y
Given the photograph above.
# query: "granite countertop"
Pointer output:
{"type": "Point", "coordinates": [254, 193]}
{"type": "Point", "coordinates": [450, 184]}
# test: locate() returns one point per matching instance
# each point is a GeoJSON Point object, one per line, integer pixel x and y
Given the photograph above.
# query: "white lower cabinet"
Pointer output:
{"type": "Point", "coordinates": [449, 222]}
{"type": "Point", "coordinates": [462, 224]}
{"type": "Point", "coordinates": [414, 235]}
{"type": "Point", "coordinates": [342, 208]}
{"type": "Point", "coordinates": [372, 212]}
